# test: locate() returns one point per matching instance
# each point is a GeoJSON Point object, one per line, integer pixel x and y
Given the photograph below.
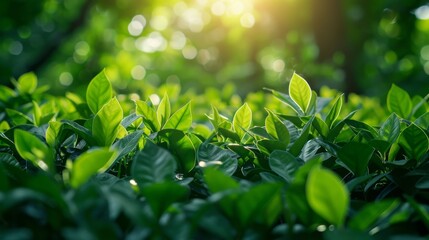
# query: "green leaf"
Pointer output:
{"type": "Point", "coordinates": [334, 112]}
{"type": "Point", "coordinates": [182, 147]}
{"type": "Point", "coordinates": [286, 99]}
{"type": "Point", "coordinates": [37, 114]}
{"type": "Point", "coordinates": [414, 141]}
{"type": "Point", "coordinates": [390, 129]}
{"type": "Point", "coordinates": [164, 110]}
{"type": "Point", "coordinates": [327, 195]}
{"type": "Point", "coordinates": [261, 204]}
{"type": "Point", "coordinates": [284, 164]}
{"type": "Point", "coordinates": [80, 130]}
{"type": "Point", "coordinates": [300, 92]}
{"type": "Point", "coordinates": [229, 134]}
{"type": "Point", "coordinates": [127, 144]}
{"type": "Point", "coordinates": [216, 119]}
{"type": "Point", "coordinates": [153, 164]}
{"type": "Point", "coordinates": [105, 125]}
{"type": "Point", "coordinates": [321, 126]}
{"type": "Point", "coordinates": [27, 83]}
{"type": "Point", "coordinates": [399, 102]}
{"type": "Point", "coordinates": [356, 156]}
{"type": "Point", "coordinates": [302, 139]}
{"type": "Point", "coordinates": [181, 119]}
{"type": "Point", "coordinates": [150, 118]}
{"type": "Point", "coordinates": [217, 181]}
{"type": "Point", "coordinates": [52, 133]}
{"type": "Point", "coordinates": [17, 117]}
{"type": "Point", "coordinates": [242, 120]}
{"type": "Point", "coordinates": [90, 163]}
{"type": "Point", "coordinates": [99, 92]}
{"type": "Point", "coordinates": [224, 160]}
{"type": "Point", "coordinates": [32, 149]}
{"type": "Point", "coordinates": [276, 128]}
{"type": "Point", "coordinates": [367, 217]}
{"type": "Point", "coordinates": [161, 195]}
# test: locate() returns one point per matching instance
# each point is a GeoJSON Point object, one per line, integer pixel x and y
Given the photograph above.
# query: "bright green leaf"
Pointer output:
{"type": "Point", "coordinates": [90, 163]}
{"type": "Point", "coordinates": [105, 126]}
{"type": "Point", "coordinates": [327, 195]}
{"type": "Point", "coordinates": [32, 149]}
{"type": "Point", "coordinates": [52, 133]}
{"type": "Point", "coordinates": [27, 83]}
{"type": "Point", "coordinates": [164, 110]}
{"type": "Point", "coordinates": [181, 119]}
{"type": "Point", "coordinates": [414, 141]}
{"type": "Point", "coordinates": [399, 102]}
{"type": "Point", "coordinates": [300, 92]}
{"type": "Point", "coordinates": [99, 92]}
{"type": "Point", "coordinates": [149, 115]}
{"type": "Point", "coordinates": [334, 112]}
{"type": "Point", "coordinates": [276, 128]}
{"type": "Point", "coordinates": [242, 120]}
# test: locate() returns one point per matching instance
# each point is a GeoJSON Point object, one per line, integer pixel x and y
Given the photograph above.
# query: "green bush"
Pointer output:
{"type": "Point", "coordinates": [104, 167]}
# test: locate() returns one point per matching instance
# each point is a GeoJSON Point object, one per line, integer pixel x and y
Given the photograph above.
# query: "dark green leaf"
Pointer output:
{"type": "Point", "coordinates": [217, 181]}
{"type": "Point", "coordinates": [302, 139]}
{"type": "Point", "coordinates": [284, 164]}
{"type": "Point", "coordinates": [182, 147]}
{"type": "Point", "coordinates": [414, 141]}
{"type": "Point", "coordinates": [390, 129]}
{"type": "Point", "coordinates": [321, 126]}
{"type": "Point", "coordinates": [153, 164]}
{"type": "Point", "coordinates": [356, 156]}
{"type": "Point", "coordinates": [125, 145]}
{"type": "Point", "coordinates": [365, 219]}
{"type": "Point", "coordinates": [212, 155]}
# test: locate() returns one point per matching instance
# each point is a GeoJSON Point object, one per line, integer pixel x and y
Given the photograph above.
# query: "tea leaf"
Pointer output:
{"type": "Point", "coordinates": [99, 92]}
{"type": "Point", "coordinates": [300, 92]}
{"type": "Point", "coordinates": [149, 115]}
{"type": "Point", "coordinates": [90, 163]}
{"type": "Point", "coordinates": [414, 141]}
{"type": "Point", "coordinates": [224, 160]}
{"type": "Point", "coordinates": [181, 119]}
{"type": "Point", "coordinates": [334, 112]}
{"type": "Point", "coordinates": [284, 164]}
{"type": "Point", "coordinates": [399, 102]}
{"type": "Point", "coordinates": [391, 128]}
{"type": "Point", "coordinates": [356, 157]}
{"type": "Point", "coordinates": [105, 126]}
{"type": "Point", "coordinates": [242, 120]}
{"type": "Point", "coordinates": [276, 128]}
{"type": "Point", "coordinates": [164, 110]}
{"type": "Point", "coordinates": [327, 195]}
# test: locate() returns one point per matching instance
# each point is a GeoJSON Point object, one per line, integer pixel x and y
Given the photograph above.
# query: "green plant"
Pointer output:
{"type": "Point", "coordinates": [311, 171]}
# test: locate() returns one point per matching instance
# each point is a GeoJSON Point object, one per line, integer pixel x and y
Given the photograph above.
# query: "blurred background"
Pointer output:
{"type": "Point", "coordinates": [350, 45]}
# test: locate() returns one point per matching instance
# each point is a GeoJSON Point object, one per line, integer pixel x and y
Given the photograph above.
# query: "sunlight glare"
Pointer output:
{"type": "Point", "coordinates": [422, 12]}
{"type": "Point", "coordinates": [218, 8]}
{"type": "Point", "coordinates": [178, 40]}
{"type": "Point", "coordinates": [66, 79]}
{"type": "Point", "coordinates": [137, 24]}
{"type": "Point", "coordinates": [155, 99]}
{"type": "Point", "coordinates": [247, 20]}
{"type": "Point", "coordinates": [189, 52]}
{"type": "Point", "coordinates": [138, 72]}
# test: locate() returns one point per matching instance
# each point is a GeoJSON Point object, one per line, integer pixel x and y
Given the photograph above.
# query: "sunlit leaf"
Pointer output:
{"type": "Point", "coordinates": [164, 110]}
{"type": "Point", "coordinates": [300, 92]}
{"type": "Point", "coordinates": [242, 120]}
{"type": "Point", "coordinates": [90, 163]}
{"type": "Point", "coordinates": [276, 128]}
{"type": "Point", "coordinates": [27, 83]}
{"type": "Point", "coordinates": [52, 133]}
{"type": "Point", "coordinates": [32, 149]}
{"type": "Point", "coordinates": [327, 195]}
{"type": "Point", "coordinates": [399, 102]}
{"type": "Point", "coordinates": [182, 147]}
{"type": "Point", "coordinates": [105, 126]}
{"type": "Point", "coordinates": [334, 112]}
{"type": "Point", "coordinates": [99, 92]}
{"type": "Point", "coordinates": [302, 139]}
{"type": "Point", "coordinates": [181, 119]}
{"type": "Point", "coordinates": [148, 114]}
